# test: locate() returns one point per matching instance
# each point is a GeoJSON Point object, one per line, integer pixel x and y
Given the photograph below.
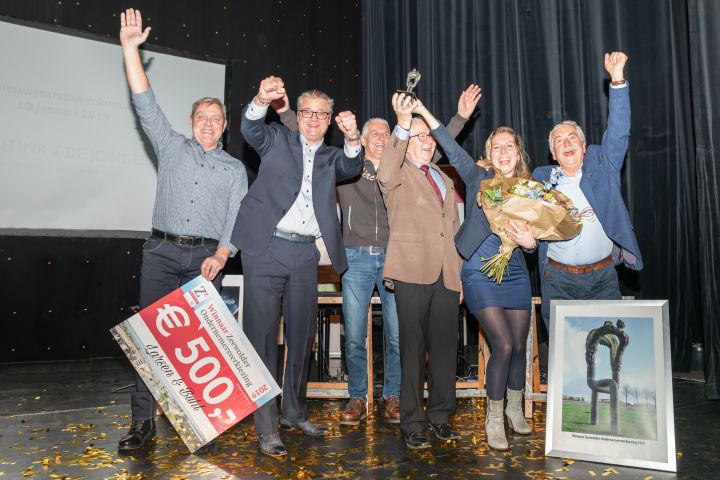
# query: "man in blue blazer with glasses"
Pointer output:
{"type": "Point", "coordinates": [290, 205]}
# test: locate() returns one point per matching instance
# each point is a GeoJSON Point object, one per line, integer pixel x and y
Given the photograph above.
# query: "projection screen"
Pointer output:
{"type": "Point", "coordinates": [73, 156]}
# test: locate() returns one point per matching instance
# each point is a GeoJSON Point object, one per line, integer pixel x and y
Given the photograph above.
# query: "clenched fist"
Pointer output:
{"type": "Point", "coordinates": [347, 124]}
{"type": "Point", "coordinates": [615, 64]}
{"type": "Point", "coordinates": [271, 88]}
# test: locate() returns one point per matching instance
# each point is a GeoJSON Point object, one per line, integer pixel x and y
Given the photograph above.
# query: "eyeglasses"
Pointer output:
{"type": "Point", "coordinates": [310, 113]}
{"type": "Point", "coordinates": [422, 136]}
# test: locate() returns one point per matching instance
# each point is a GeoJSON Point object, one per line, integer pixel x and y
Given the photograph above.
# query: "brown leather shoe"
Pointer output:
{"type": "Point", "coordinates": [355, 411]}
{"type": "Point", "coordinates": [392, 409]}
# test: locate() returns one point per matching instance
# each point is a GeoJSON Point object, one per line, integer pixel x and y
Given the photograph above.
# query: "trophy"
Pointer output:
{"type": "Point", "coordinates": [413, 77]}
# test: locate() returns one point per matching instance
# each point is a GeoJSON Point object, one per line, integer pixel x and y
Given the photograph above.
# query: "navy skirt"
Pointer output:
{"type": "Point", "coordinates": [481, 291]}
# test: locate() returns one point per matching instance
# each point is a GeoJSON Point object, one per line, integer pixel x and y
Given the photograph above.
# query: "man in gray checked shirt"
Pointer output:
{"type": "Point", "coordinates": [199, 190]}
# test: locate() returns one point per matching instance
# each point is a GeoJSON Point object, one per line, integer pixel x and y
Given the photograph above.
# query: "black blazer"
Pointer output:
{"type": "Point", "coordinates": [278, 184]}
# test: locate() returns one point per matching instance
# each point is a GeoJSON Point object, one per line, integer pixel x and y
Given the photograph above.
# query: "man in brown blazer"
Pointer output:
{"type": "Point", "coordinates": [424, 267]}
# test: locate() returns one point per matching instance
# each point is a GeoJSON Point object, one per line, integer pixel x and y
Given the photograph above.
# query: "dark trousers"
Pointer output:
{"type": "Point", "coordinates": [428, 317]}
{"type": "Point", "coordinates": [557, 284]}
{"type": "Point", "coordinates": [165, 267]}
{"type": "Point", "coordinates": [283, 275]}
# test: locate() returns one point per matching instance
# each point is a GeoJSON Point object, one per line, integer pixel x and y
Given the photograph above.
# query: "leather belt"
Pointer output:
{"type": "Point", "coordinates": [182, 239]}
{"type": "Point", "coordinates": [581, 268]}
{"type": "Point", "coordinates": [293, 237]}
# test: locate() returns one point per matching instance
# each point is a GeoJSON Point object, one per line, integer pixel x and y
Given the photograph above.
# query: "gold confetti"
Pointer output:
{"type": "Point", "coordinates": [88, 451]}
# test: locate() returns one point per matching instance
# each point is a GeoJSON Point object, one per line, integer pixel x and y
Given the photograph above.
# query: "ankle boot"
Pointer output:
{"type": "Point", "coordinates": [140, 433]}
{"type": "Point", "coordinates": [495, 425]}
{"type": "Point", "coordinates": [514, 412]}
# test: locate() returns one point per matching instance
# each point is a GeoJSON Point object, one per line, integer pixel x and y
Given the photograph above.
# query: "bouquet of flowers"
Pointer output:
{"type": "Point", "coordinates": [551, 214]}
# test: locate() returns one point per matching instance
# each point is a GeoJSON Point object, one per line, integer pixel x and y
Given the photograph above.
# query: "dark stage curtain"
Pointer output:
{"type": "Point", "coordinates": [704, 74]}
{"type": "Point", "coordinates": [539, 62]}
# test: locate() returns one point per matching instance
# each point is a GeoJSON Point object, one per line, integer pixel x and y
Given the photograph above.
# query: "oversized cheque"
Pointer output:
{"type": "Point", "coordinates": [196, 361]}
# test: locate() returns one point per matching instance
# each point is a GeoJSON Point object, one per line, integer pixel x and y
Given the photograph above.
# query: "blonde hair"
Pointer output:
{"type": "Point", "coordinates": [521, 169]}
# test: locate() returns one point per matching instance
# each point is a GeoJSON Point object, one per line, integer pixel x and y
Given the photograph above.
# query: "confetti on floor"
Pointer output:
{"type": "Point", "coordinates": [73, 435]}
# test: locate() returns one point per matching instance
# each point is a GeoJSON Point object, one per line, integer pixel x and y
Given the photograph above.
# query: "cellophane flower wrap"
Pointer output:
{"type": "Point", "coordinates": [550, 213]}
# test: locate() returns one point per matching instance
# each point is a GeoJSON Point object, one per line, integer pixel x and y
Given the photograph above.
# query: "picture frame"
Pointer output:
{"type": "Point", "coordinates": [610, 396]}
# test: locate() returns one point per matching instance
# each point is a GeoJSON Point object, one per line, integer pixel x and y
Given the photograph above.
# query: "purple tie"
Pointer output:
{"type": "Point", "coordinates": [426, 170]}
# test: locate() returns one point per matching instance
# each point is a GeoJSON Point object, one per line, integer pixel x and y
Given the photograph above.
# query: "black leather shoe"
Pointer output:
{"type": "Point", "coordinates": [417, 440]}
{"type": "Point", "coordinates": [141, 431]}
{"type": "Point", "coordinates": [444, 431]}
{"type": "Point", "coordinates": [306, 426]}
{"type": "Point", "coordinates": [271, 445]}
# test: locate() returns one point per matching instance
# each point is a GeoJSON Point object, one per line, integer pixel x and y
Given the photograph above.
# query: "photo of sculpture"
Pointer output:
{"type": "Point", "coordinates": [609, 377]}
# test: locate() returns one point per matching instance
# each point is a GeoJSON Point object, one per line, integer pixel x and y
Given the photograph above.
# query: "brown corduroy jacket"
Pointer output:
{"type": "Point", "coordinates": [422, 232]}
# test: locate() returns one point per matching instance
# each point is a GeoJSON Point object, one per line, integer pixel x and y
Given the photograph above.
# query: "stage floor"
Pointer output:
{"type": "Point", "coordinates": [63, 421]}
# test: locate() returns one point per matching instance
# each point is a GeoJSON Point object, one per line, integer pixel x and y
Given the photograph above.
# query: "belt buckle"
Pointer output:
{"type": "Point", "coordinates": [376, 250]}
{"type": "Point", "coordinates": [185, 240]}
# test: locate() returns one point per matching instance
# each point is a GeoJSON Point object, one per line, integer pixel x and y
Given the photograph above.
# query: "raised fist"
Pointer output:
{"type": "Point", "coordinates": [347, 124]}
{"type": "Point", "coordinates": [271, 88]}
{"type": "Point", "coordinates": [615, 64]}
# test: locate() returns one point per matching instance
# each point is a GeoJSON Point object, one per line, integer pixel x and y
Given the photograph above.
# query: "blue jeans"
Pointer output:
{"type": "Point", "coordinates": [364, 272]}
{"type": "Point", "coordinates": [602, 284]}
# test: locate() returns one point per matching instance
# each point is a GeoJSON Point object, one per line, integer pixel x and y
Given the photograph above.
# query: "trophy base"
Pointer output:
{"type": "Point", "coordinates": [405, 92]}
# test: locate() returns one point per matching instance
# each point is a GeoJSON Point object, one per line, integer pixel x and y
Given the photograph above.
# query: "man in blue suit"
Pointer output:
{"type": "Point", "coordinates": [584, 266]}
{"type": "Point", "coordinates": [289, 206]}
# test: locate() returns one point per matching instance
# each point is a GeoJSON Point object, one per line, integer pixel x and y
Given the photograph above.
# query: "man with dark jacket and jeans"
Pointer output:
{"type": "Point", "coordinates": [365, 236]}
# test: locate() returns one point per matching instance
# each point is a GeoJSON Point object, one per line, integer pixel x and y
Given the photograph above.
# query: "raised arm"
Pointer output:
{"type": "Point", "coordinates": [271, 89]}
{"type": "Point", "coordinates": [616, 137]}
{"type": "Point", "coordinates": [467, 102]}
{"type": "Point", "coordinates": [153, 120]}
{"type": "Point", "coordinates": [253, 128]}
{"type": "Point", "coordinates": [429, 118]}
{"type": "Point", "coordinates": [459, 158]}
{"type": "Point", "coordinates": [350, 165]}
{"type": "Point", "coordinates": [132, 36]}
{"type": "Point", "coordinates": [286, 114]}
{"type": "Point", "coordinates": [390, 175]}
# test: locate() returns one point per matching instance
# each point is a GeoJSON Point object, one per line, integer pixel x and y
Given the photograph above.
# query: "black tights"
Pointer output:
{"type": "Point", "coordinates": [507, 331]}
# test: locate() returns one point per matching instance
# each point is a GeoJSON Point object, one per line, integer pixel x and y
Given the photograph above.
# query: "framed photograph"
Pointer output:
{"type": "Point", "coordinates": [610, 383]}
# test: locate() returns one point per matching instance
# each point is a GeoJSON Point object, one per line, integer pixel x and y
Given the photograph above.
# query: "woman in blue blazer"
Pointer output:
{"type": "Point", "coordinates": [503, 309]}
